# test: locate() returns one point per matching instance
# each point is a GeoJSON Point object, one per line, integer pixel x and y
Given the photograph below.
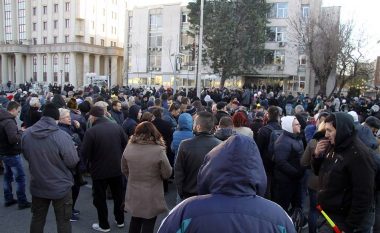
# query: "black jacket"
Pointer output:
{"type": "Point", "coordinates": [190, 157]}
{"type": "Point", "coordinates": [346, 176]}
{"type": "Point", "coordinates": [10, 136]}
{"type": "Point", "coordinates": [263, 139]}
{"type": "Point", "coordinates": [102, 148]}
{"type": "Point", "coordinates": [219, 114]}
{"type": "Point", "coordinates": [165, 129]}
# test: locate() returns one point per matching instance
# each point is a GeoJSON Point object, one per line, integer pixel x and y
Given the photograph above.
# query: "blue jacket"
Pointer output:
{"type": "Point", "coordinates": [232, 174]}
{"type": "Point", "coordinates": [309, 132]}
{"type": "Point", "coordinates": [184, 131]}
{"type": "Point", "coordinates": [366, 136]}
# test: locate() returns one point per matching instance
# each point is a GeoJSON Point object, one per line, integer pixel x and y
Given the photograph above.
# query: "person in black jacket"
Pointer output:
{"type": "Point", "coordinates": [346, 173]}
{"type": "Point", "coordinates": [263, 140]}
{"type": "Point", "coordinates": [288, 173]}
{"type": "Point", "coordinates": [102, 147]}
{"type": "Point", "coordinates": [191, 154]}
{"type": "Point", "coordinates": [10, 149]}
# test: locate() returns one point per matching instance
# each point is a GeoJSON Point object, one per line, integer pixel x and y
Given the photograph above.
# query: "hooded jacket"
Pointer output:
{"type": "Point", "coordinates": [346, 177]}
{"type": "Point", "coordinates": [184, 131]}
{"type": "Point", "coordinates": [231, 174]}
{"type": "Point", "coordinates": [10, 136]}
{"type": "Point", "coordinates": [51, 154]}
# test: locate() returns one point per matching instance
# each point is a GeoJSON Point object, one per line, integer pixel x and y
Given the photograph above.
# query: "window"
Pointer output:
{"type": "Point", "coordinates": [66, 39]}
{"type": "Point", "coordinates": [279, 57]}
{"type": "Point", "coordinates": [55, 8]}
{"type": "Point", "coordinates": [44, 10]}
{"type": "Point", "coordinates": [8, 20]}
{"type": "Point", "coordinates": [34, 67]}
{"type": "Point", "coordinates": [34, 11]}
{"type": "Point", "coordinates": [275, 34]}
{"type": "Point", "coordinates": [155, 21]}
{"type": "Point", "coordinates": [45, 40]}
{"type": "Point", "coordinates": [302, 60]}
{"type": "Point", "coordinates": [55, 24]}
{"type": "Point", "coordinates": [66, 67]}
{"type": "Point", "coordinates": [102, 42]}
{"type": "Point", "coordinates": [21, 20]}
{"type": "Point", "coordinates": [67, 6]}
{"type": "Point", "coordinates": [67, 23]}
{"type": "Point", "coordinates": [34, 41]}
{"type": "Point", "coordinates": [55, 40]}
{"type": "Point", "coordinates": [278, 10]}
{"type": "Point", "coordinates": [184, 18]}
{"type": "Point", "coordinates": [155, 40]}
{"type": "Point", "coordinates": [91, 40]}
{"type": "Point", "coordinates": [34, 26]}
{"type": "Point", "coordinates": [44, 64]}
{"type": "Point", "coordinates": [155, 61]}
{"type": "Point", "coordinates": [305, 10]}
{"type": "Point", "coordinates": [45, 25]}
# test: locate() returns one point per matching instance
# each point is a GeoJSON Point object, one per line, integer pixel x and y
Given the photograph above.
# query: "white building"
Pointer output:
{"type": "Point", "coordinates": [61, 40]}
{"type": "Point", "coordinates": [157, 35]}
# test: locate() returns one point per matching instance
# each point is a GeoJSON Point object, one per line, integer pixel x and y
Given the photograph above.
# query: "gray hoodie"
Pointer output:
{"type": "Point", "coordinates": [51, 154]}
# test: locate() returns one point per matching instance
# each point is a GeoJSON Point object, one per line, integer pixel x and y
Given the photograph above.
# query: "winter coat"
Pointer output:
{"type": "Point", "coordinates": [184, 131]}
{"type": "Point", "coordinates": [346, 177]}
{"type": "Point", "coordinates": [130, 123]}
{"type": "Point", "coordinates": [309, 132]}
{"type": "Point", "coordinates": [77, 116]}
{"type": "Point", "coordinates": [118, 116]}
{"type": "Point", "coordinates": [51, 154]}
{"type": "Point", "coordinates": [229, 184]}
{"type": "Point", "coordinates": [10, 136]}
{"type": "Point", "coordinates": [243, 131]}
{"type": "Point", "coordinates": [190, 157]}
{"type": "Point", "coordinates": [263, 140]}
{"type": "Point", "coordinates": [288, 150]}
{"type": "Point", "coordinates": [365, 134]}
{"type": "Point", "coordinates": [166, 131]}
{"type": "Point", "coordinates": [223, 133]}
{"type": "Point", "coordinates": [102, 147]}
{"type": "Point", "coordinates": [34, 115]}
{"type": "Point", "coordinates": [145, 165]}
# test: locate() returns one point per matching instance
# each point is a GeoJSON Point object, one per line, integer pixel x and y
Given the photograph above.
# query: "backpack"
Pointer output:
{"type": "Point", "coordinates": [275, 133]}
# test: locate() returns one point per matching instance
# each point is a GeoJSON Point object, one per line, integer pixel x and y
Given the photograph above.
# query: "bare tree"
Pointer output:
{"type": "Point", "coordinates": [320, 38]}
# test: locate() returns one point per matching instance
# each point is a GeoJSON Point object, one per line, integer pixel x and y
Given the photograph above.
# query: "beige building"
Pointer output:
{"type": "Point", "coordinates": [157, 40]}
{"type": "Point", "coordinates": [61, 41]}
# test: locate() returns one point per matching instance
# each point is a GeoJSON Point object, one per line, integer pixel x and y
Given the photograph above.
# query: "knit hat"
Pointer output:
{"type": "Point", "coordinates": [287, 123]}
{"type": "Point", "coordinates": [354, 116]}
{"type": "Point", "coordinates": [51, 111]}
{"type": "Point", "coordinates": [97, 111]}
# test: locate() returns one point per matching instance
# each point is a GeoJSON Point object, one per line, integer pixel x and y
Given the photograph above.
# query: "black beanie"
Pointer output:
{"type": "Point", "coordinates": [51, 111]}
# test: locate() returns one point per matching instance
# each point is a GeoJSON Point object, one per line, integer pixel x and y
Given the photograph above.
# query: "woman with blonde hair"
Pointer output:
{"type": "Point", "coordinates": [146, 165]}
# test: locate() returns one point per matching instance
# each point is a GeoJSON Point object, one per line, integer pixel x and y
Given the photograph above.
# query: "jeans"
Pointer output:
{"type": "Point", "coordinates": [142, 225]}
{"type": "Point", "coordinates": [99, 188]}
{"type": "Point", "coordinates": [13, 169]}
{"type": "Point", "coordinates": [62, 210]}
{"type": "Point", "coordinates": [313, 212]}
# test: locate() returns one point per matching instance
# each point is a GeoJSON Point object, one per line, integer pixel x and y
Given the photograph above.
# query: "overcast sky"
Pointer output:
{"type": "Point", "coordinates": [364, 14]}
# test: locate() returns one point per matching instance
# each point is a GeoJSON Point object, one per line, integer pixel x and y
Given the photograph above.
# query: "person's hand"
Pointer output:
{"type": "Point", "coordinates": [321, 147]}
{"type": "Point", "coordinates": [76, 124]}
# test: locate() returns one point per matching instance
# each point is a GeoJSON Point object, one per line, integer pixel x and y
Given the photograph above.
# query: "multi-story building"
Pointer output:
{"type": "Point", "coordinates": [159, 49]}
{"type": "Point", "coordinates": [61, 41]}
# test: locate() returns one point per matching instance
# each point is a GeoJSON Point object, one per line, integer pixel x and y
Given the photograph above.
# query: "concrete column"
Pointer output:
{"type": "Point", "coordinates": [106, 65]}
{"type": "Point", "coordinates": [114, 71]}
{"type": "Point", "coordinates": [74, 80]}
{"type": "Point", "coordinates": [29, 67]}
{"type": "Point", "coordinates": [4, 68]}
{"type": "Point", "coordinates": [19, 69]}
{"type": "Point", "coordinates": [97, 64]}
{"type": "Point", "coordinates": [49, 68]}
{"type": "Point", "coordinates": [86, 64]}
{"type": "Point", "coordinates": [39, 68]}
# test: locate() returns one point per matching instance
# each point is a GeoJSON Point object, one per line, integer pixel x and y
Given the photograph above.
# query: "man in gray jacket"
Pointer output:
{"type": "Point", "coordinates": [51, 154]}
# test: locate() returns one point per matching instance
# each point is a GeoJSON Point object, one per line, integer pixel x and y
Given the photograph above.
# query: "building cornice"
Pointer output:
{"type": "Point", "coordinates": [62, 48]}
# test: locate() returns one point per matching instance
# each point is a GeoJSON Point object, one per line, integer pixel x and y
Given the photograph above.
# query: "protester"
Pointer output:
{"type": "Point", "coordinates": [184, 131]}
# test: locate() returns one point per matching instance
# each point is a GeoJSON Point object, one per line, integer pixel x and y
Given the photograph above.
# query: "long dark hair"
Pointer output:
{"type": "Point", "coordinates": [147, 133]}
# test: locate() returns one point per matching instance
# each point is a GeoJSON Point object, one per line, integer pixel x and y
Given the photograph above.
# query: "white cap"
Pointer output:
{"type": "Point", "coordinates": [354, 115]}
{"type": "Point", "coordinates": [287, 123]}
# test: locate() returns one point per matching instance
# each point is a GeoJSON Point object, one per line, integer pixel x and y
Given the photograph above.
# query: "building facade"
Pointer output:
{"type": "Point", "coordinates": [61, 41]}
{"type": "Point", "coordinates": [159, 50]}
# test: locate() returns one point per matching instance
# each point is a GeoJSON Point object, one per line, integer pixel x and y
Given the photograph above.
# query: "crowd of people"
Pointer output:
{"type": "Point", "coordinates": [232, 154]}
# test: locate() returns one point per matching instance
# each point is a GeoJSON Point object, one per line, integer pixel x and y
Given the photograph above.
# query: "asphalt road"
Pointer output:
{"type": "Point", "coordinates": [13, 220]}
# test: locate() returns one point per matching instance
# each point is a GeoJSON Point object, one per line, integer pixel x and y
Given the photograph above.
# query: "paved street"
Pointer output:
{"type": "Point", "coordinates": [13, 220]}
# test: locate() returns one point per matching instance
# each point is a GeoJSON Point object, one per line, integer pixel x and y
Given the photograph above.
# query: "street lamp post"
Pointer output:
{"type": "Point", "coordinates": [199, 67]}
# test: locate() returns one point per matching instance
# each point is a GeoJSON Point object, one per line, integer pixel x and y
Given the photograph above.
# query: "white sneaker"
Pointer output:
{"type": "Point", "coordinates": [119, 225]}
{"type": "Point", "coordinates": [96, 227]}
